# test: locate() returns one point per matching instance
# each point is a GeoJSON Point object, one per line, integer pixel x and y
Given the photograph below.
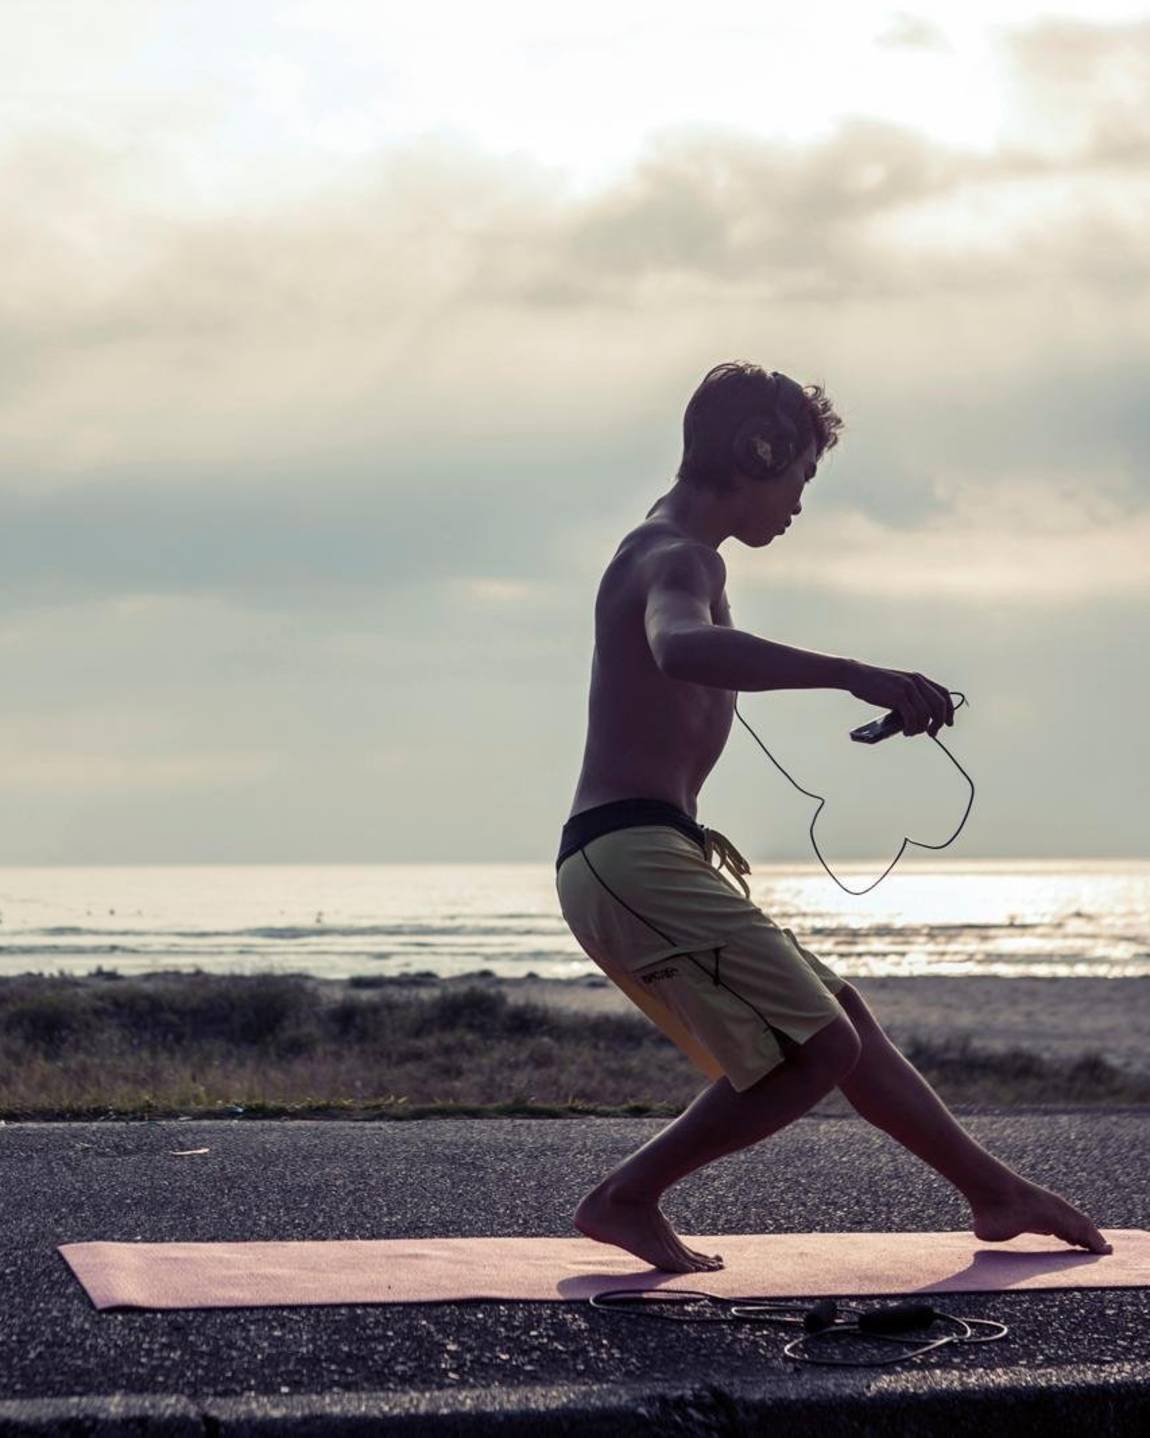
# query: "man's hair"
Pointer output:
{"type": "Point", "coordinates": [731, 393]}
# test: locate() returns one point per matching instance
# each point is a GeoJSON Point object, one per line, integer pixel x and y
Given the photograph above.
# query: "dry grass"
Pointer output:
{"type": "Point", "coordinates": [272, 1045]}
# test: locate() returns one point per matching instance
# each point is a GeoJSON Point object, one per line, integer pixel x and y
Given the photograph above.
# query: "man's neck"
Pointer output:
{"type": "Point", "coordinates": [692, 515]}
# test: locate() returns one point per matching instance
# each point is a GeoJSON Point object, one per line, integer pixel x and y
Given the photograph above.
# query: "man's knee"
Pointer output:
{"type": "Point", "coordinates": [856, 1008]}
{"type": "Point", "coordinates": [834, 1049]}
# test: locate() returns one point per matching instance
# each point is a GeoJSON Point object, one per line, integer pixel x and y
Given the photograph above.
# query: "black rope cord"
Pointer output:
{"type": "Point", "coordinates": [906, 839]}
{"type": "Point", "coordinates": [819, 1321]}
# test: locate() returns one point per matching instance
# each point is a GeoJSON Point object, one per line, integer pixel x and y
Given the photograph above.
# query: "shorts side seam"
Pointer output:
{"type": "Point", "coordinates": [697, 947]}
{"type": "Point", "coordinates": [687, 954]}
{"type": "Point", "coordinates": [722, 983]}
{"type": "Point", "coordinates": [622, 901]}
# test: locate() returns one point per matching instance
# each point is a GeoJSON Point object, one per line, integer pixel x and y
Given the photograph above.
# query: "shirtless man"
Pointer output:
{"type": "Point", "coordinates": [772, 1025]}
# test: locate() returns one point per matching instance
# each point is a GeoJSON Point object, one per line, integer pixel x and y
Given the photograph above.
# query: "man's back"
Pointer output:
{"type": "Point", "coordinates": [648, 735]}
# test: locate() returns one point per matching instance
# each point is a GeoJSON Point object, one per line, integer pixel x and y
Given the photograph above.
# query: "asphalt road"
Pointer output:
{"type": "Point", "coordinates": [333, 1179]}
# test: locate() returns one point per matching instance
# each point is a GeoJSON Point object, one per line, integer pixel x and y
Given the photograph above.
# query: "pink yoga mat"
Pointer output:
{"type": "Point", "coordinates": [438, 1270]}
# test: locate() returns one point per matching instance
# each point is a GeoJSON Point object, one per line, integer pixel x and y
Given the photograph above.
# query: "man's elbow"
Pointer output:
{"type": "Point", "coordinates": [677, 655]}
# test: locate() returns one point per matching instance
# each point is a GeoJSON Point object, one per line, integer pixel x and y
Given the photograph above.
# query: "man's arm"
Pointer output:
{"type": "Point", "coordinates": [686, 644]}
{"type": "Point", "coordinates": [734, 659]}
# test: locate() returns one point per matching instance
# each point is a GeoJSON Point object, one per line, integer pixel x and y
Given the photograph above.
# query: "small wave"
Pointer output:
{"type": "Point", "coordinates": [24, 949]}
{"type": "Point", "coordinates": [916, 931]}
{"type": "Point", "coordinates": [289, 931]}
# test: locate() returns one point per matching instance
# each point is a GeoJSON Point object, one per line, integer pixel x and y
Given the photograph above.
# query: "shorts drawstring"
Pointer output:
{"type": "Point", "coordinates": [729, 857]}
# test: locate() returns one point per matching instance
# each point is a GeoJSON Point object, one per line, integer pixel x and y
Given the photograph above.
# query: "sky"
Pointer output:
{"type": "Point", "coordinates": [342, 342]}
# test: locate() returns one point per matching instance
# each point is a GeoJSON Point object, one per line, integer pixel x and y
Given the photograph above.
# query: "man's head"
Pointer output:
{"type": "Point", "coordinates": [751, 441]}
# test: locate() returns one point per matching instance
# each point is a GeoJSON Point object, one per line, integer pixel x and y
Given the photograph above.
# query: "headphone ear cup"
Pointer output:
{"type": "Point", "coordinates": [754, 453]}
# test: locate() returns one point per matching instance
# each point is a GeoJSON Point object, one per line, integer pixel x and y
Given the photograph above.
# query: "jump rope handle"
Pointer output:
{"type": "Point", "coordinates": [821, 1316]}
{"type": "Point", "coordinates": [881, 1320]}
{"type": "Point", "coordinates": [894, 1320]}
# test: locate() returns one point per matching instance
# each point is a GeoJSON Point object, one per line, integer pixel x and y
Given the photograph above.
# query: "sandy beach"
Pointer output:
{"type": "Point", "coordinates": [187, 1042]}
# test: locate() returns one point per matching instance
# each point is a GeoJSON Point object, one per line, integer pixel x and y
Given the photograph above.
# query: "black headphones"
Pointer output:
{"type": "Point", "coordinates": [755, 454]}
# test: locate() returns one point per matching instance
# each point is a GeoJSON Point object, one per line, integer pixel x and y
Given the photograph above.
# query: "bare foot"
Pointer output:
{"type": "Point", "coordinates": [640, 1227]}
{"type": "Point", "coordinates": [1030, 1208]}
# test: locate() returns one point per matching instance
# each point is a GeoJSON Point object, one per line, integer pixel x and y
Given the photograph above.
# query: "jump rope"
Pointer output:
{"type": "Point", "coordinates": [823, 1320]}
{"type": "Point", "coordinates": [872, 733]}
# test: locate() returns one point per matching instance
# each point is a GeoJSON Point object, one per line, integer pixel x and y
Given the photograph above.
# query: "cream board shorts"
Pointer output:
{"type": "Point", "coordinates": [720, 978]}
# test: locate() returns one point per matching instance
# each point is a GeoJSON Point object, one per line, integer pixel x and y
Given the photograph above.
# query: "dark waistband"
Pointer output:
{"type": "Point", "coordinates": [589, 824]}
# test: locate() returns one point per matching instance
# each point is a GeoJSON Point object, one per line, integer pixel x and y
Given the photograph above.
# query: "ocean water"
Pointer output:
{"type": "Point", "coordinates": [993, 917]}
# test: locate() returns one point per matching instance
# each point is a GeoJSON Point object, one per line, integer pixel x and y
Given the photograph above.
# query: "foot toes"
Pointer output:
{"type": "Point", "coordinates": [671, 1262]}
{"type": "Point", "coordinates": [700, 1261]}
{"type": "Point", "coordinates": [1084, 1234]}
{"type": "Point", "coordinates": [678, 1256]}
{"type": "Point", "coordinates": [672, 1240]}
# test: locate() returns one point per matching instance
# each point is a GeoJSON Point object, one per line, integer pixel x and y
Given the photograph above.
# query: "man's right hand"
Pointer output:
{"type": "Point", "coordinates": [921, 703]}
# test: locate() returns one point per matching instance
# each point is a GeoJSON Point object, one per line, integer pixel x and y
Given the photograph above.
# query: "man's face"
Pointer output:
{"type": "Point", "coordinates": [772, 504]}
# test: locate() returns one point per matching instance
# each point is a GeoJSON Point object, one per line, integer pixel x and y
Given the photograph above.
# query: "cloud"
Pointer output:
{"type": "Point", "coordinates": [1082, 86]}
{"type": "Point", "coordinates": [1008, 542]}
{"type": "Point", "coordinates": [494, 455]}
{"type": "Point", "coordinates": [441, 366]}
{"type": "Point", "coordinates": [303, 501]}
{"type": "Point", "coordinates": [913, 32]}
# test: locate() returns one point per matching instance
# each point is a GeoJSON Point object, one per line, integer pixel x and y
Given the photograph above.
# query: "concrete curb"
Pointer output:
{"type": "Point", "coordinates": [1099, 1399]}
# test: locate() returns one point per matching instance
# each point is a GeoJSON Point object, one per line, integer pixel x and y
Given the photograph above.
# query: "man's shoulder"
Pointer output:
{"type": "Point", "coordinates": [653, 547]}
